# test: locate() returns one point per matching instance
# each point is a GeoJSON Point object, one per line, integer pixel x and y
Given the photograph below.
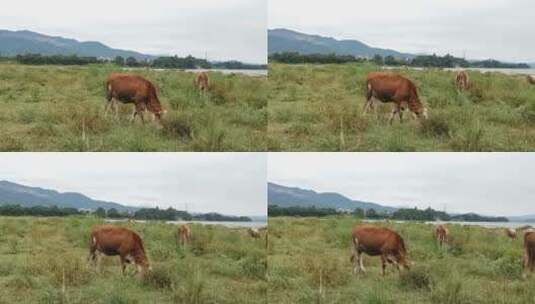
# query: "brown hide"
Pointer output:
{"type": "Point", "coordinates": [112, 241]}
{"type": "Point", "coordinates": [128, 88]}
{"type": "Point", "coordinates": [378, 241]}
{"type": "Point", "coordinates": [388, 87]}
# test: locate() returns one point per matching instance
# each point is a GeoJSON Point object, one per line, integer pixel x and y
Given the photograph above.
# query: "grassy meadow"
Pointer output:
{"type": "Point", "coordinates": [50, 108]}
{"type": "Point", "coordinates": [45, 260]}
{"type": "Point", "coordinates": [319, 108]}
{"type": "Point", "coordinates": [308, 262]}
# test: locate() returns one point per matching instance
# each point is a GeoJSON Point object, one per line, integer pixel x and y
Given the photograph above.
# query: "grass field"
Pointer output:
{"type": "Point", "coordinates": [49, 108]}
{"type": "Point", "coordinates": [308, 262]}
{"type": "Point", "coordinates": [45, 261]}
{"type": "Point", "coordinates": [319, 108]}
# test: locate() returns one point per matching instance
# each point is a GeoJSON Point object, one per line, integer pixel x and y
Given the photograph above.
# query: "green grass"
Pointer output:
{"type": "Point", "coordinates": [45, 261]}
{"type": "Point", "coordinates": [319, 108]}
{"type": "Point", "coordinates": [480, 266]}
{"type": "Point", "coordinates": [49, 108]}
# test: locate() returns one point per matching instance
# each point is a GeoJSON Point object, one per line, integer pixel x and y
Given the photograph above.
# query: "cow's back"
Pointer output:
{"type": "Point", "coordinates": [376, 240]}
{"type": "Point", "coordinates": [111, 239]}
{"type": "Point", "coordinates": [127, 87]}
{"type": "Point", "coordinates": [388, 85]}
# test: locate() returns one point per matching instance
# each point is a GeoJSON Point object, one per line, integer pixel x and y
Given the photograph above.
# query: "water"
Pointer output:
{"type": "Point", "coordinates": [513, 225]}
{"type": "Point", "coordinates": [256, 73]}
{"type": "Point", "coordinates": [226, 224]}
{"type": "Point", "coordinates": [504, 71]}
{"type": "Point", "coordinates": [482, 70]}
{"type": "Point", "coordinates": [253, 73]}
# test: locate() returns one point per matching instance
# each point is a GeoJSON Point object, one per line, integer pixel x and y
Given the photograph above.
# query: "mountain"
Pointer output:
{"type": "Point", "coordinates": [284, 40]}
{"type": "Point", "coordinates": [14, 43]}
{"type": "Point", "coordinates": [12, 194]}
{"type": "Point", "coordinates": [287, 196]}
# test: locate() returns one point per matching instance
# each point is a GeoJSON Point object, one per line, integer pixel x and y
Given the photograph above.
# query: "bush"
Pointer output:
{"type": "Point", "coordinates": [419, 277]}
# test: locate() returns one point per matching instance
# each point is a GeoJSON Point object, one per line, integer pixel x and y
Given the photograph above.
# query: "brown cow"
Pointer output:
{"type": "Point", "coordinates": [134, 89]}
{"type": "Point", "coordinates": [462, 81]}
{"type": "Point", "coordinates": [183, 235]}
{"type": "Point", "coordinates": [201, 82]}
{"type": "Point", "coordinates": [529, 252]}
{"type": "Point", "coordinates": [388, 87]}
{"type": "Point", "coordinates": [112, 240]}
{"type": "Point", "coordinates": [531, 79]}
{"type": "Point", "coordinates": [511, 233]}
{"type": "Point", "coordinates": [377, 241]}
{"type": "Point", "coordinates": [254, 233]}
{"type": "Point", "coordinates": [442, 234]}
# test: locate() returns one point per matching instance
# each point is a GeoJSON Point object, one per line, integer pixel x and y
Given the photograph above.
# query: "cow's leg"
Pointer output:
{"type": "Point", "coordinates": [106, 108]}
{"type": "Point", "coordinates": [123, 264]}
{"type": "Point", "coordinates": [134, 113]}
{"type": "Point", "coordinates": [526, 264]}
{"type": "Point", "coordinates": [99, 261]}
{"type": "Point", "coordinates": [383, 264]}
{"type": "Point", "coordinates": [361, 261]}
{"type": "Point", "coordinates": [395, 111]}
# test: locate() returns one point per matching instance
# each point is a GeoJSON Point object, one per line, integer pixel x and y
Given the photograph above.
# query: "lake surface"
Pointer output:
{"type": "Point", "coordinates": [254, 73]}
{"type": "Point", "coordinates": [226, 224]}
{"type": "Point", "coordinates": [482, 70]}
{"type": "Point", "coordinates": [513, 225]}
{"type": "Point", "coordinates": [257, 73]}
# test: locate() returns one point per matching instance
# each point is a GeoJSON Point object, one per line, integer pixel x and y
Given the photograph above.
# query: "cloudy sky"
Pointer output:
{"type": "Point", "coordinates": [500, 29]}
{"type": "Point", "coordinates": [228, 183]}
{"type": "Point", "coordinates": [485, 183]}
{"type": "Point", "coordinates": [225, 29]}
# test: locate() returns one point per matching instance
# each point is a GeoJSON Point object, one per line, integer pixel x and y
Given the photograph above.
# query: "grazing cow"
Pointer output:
{"type": "Point", "coordinates": [511, 233]}
{"type": "Point", "coordinates": [442, 234]}
{"type": "Point", "coordinates": [134, 89]}
{"type": "Point", "coordinates": [462, 81]}
{"type": "Point", "coordinates": [112, 240]}
{"type": "Point", "coordinates": [529, 252]}
{"type": "Point", "coordinates": [201, 82]}
{"type": "Point", "coordinates": [388, 87]}
{"type": "Point", "coordinates": [377, 241]}
{"type": "Point", "coordinates": [531, 79]}
{"type": "Point", "coordinates": [183, 235]}
{"type": "Point", "coordinates": [254, 233]}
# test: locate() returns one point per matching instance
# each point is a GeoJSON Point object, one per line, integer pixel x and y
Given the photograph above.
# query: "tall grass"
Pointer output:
{"type": "Point", "coordinates": [479, 266]}
{"type": "Point", "coordinates": [62, 109]}
{"type": "Point", "coordinates": [50, 264]}
{"type": "Point", "coordinates": [319, 108]}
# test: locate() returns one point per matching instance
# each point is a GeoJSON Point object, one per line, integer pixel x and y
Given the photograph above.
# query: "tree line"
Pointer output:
{"type": "Point", "coordinates": [446, 61]}
{"type": "Point", "coordinates": [169, 214]}
{"type": "Point", "coordinates": [163, 62]}
{"type": "Point", "coordinates": [404, 214]}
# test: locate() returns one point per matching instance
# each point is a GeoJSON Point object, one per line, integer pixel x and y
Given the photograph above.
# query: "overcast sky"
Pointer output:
{"type": "Point", "coordinates": [228, 183]}
{"type": "Point", "coordinates": [485, 183]}
{"type": "Point", "coordinates": [500, 29]}
{"type": "Point", "coordinates": [225, 29]}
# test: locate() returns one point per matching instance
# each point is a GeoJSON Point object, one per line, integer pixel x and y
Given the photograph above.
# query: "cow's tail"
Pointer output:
{"type": "Point", "coordinates": [92, 248]}
{"type": "Point", "coordinates": [109, 90]}
{"type": "Point", "coordinates": [402, 246]}
{"type": "Point", "coordinates": [355, 244]}
{"type": "Point", "coordinates": [369, 91]}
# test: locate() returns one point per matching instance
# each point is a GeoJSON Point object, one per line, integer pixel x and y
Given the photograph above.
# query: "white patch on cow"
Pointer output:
{"type": "Point", "coordinates": [94, 240]}
{"type": "Point", "coordinates": [129, 258]}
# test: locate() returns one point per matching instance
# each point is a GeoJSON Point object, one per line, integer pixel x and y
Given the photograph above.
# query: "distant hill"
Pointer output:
{"type": "Point", "coordinates": [14, 43]}
{"type": "Point", "coordinates": [287, 196]}
{"type": "Point", "coordinates": [16, 194]}
{"type": "Point", "coordinates": [284, 40]}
